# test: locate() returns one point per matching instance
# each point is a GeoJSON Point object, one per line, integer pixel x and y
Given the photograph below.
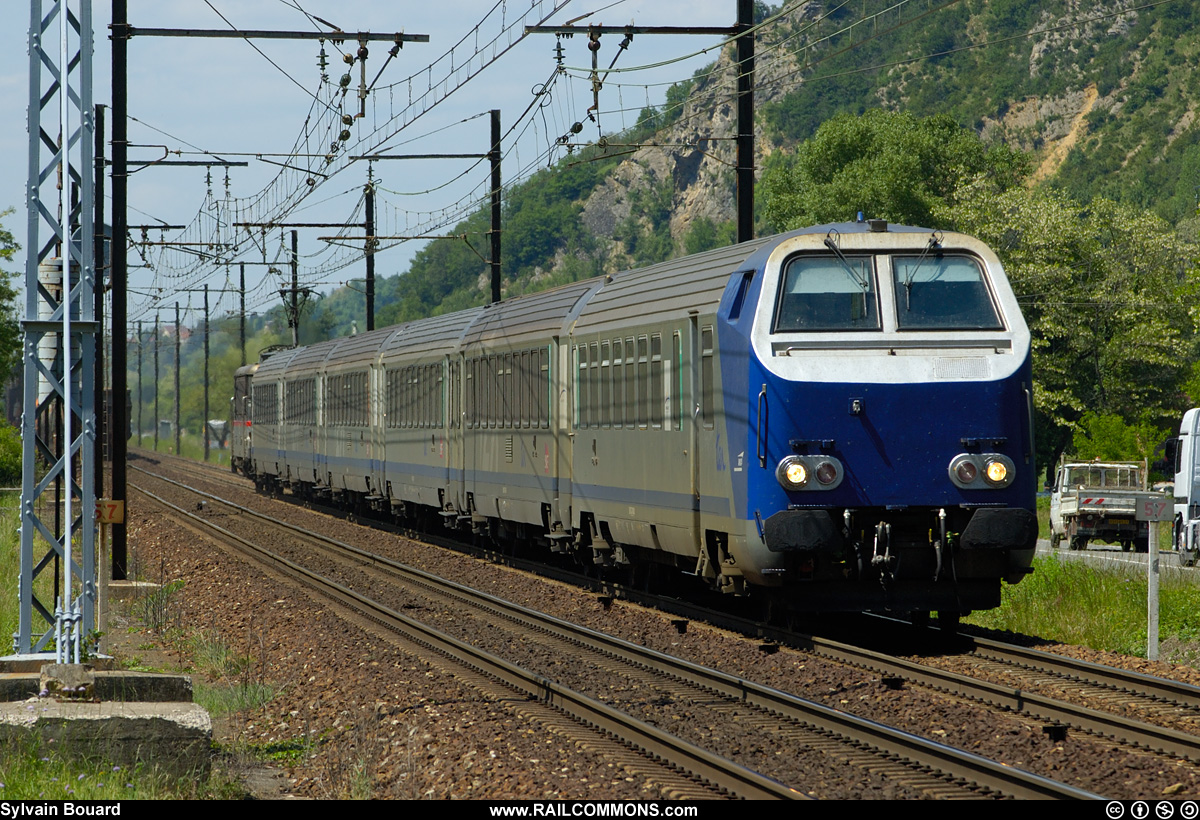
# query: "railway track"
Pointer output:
{"type": "Point", "coordinates": [924, 767]}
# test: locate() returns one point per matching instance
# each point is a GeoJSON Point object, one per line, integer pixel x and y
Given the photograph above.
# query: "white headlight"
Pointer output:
{"type": "Point", "coordinates": [792, 473]}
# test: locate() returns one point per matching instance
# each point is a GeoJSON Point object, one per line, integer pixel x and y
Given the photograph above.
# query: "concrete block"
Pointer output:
{"type": "Point", "coordinates": [175, 737]}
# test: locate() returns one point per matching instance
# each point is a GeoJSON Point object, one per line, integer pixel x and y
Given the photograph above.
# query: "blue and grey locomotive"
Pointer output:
{"type": "Point", "coordinates": [837, 418]}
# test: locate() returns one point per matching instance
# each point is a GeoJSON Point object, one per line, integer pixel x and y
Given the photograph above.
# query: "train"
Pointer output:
{"type": "Point", "coordinates": [834, 419]}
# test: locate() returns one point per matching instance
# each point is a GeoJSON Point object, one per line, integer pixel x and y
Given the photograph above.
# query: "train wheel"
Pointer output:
{"type": "Point", "coordinates": [919, 618]}
{"type": "Point", "coordinates": [1142, 544]}
{"type": "Point", "coordinates": [1055, 540]}
{"type": "Point", "coordinates": [1126, 546]}
{"type": "Point", "coordinates": [1079, 543]}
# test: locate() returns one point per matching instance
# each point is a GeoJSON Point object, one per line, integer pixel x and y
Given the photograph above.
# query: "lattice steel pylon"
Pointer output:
{"type": "Point", "coordinates": [58, 424]}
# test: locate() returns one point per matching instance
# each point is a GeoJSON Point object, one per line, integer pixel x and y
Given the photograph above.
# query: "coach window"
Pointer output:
{"type": "Point", "coordinates": [469, 391]}
{"type": "Point", "coordinates": [707, 408]}
{"type": "Point", "coordinates": [605, 384]}
{"type": "Point", "coordinates": [541, 362]}
{"type": "Point", "coordinates": [678, 358]}
{"type": "Point", "coordinates": [824, 293]}
{"type": "Point", "coordinates": [630, 384]}
{"type": "Point", "coordinates": [644, 399]}
{"type": "Point", "coordinates": [618, 383]}
{"type": "Point", "coordinates": [505, 391]}
{"type": "Point", "coordinates": [580, 385]}
{"type": "Point", "coordinates": [658, 384]}
{"type": "Point", "coordinates": [942, 293]}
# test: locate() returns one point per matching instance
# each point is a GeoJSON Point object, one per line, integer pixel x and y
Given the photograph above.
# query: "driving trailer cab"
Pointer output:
{"type": "Point", "coordinates": [890, 425]}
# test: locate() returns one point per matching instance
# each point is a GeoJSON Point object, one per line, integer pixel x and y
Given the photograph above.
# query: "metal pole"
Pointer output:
{"type": "Point", "coordinates": [157, 417]}
{"type": "Point", "coordinates": [745, 122]}
{"type": "Point", "coordinates": [101, 428]}
{"type": "Point", "coordinates": [120, 271]}
{"type": "Point", "coordinates": [295, 293]}
{"type": "Point", "coordinates": [494, 156]}
{"type": "Point", "coordinates": [178, 334]}
{"type": "Point", "coordinates": [140, 340]}
{"type": "Point", "coordinates": [204, 421]}
{"type": "Point", "coordinates": [1152, 593]}
{"type": "Point", "coordinates": [370, 250]}
{"type": "Point", "coordinates": [242, 320]}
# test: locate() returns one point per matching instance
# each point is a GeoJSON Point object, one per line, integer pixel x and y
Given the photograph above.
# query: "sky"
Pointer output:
{"type": "Point", "coordinates": [223, 97]}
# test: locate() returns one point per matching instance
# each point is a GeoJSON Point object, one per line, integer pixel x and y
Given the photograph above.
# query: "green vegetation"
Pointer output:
{"type": "Point", "coordinates": [10, 456]}
{"type": "Point", "coordinates": [10, 564]}
{"type": "Point", "coordinates": [10, 326]}
{"type": "Point", "coordinates": [1101, 608]}
{"type": "Point", "coordinates": [27, 773]}
{"type": "Point", "coordinates": [234, 682]}
{"type": "Point", "coordinates": [1109, 438]}
{"type": "Point", "coordinates": [889, 166]}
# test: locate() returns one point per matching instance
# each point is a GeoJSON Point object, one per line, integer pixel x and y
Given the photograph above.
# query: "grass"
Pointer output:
{"type": "Point", "coordinates": [236, 686]}
{"type": "Point", "coordinates": [1099, 607]}
{"type": "Point", "coordinates": [10, 567]}
{"type": "Point", "coordinates": [28, 774]}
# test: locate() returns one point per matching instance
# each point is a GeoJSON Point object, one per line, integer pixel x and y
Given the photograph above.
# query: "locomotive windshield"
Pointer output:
{"type": "Point", "coordinates": [942, 293]}
{"type": "Point", "coordinates": [828, 293]}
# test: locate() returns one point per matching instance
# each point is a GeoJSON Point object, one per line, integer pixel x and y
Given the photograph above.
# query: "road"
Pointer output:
{"type": "Point", "coordinates": [1111, 555]}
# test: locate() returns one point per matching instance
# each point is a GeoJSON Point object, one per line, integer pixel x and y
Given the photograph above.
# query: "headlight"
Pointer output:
{"type": "Point", "coordinates": [995, 472]}
{"type": "Point", "coordinates": [792, 473]}
{"type": "Point", "coordinates": [795, 473]}
{"type": "Point", "coordinates": [985, 471]}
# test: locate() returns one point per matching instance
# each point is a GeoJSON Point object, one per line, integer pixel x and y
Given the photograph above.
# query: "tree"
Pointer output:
{"type": "Point", "coordinates": [10, 324]}
{"type": "Point", "coordinates": [1110, 438]}
{"type": "Point", "coordinates": [888, 165]}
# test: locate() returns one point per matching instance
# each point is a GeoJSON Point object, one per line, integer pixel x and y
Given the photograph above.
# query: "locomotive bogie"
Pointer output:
{"type": "Point", "coordinates": [841, 415]}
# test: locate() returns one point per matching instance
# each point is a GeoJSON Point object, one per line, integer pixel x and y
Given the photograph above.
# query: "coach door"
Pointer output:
{"type": "Point", "coordinates": [690, 405]}
{"type": "Point", "coordinates": [455, 452]}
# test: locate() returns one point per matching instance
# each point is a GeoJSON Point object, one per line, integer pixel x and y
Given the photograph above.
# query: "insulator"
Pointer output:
{"type": "Point", "coordinates": [347, 119]}
{"type": "Point", "coordinates": [348, 58]}
{"type": "Point", "coordinates": [345, 135]}
{"type": "Point", "coordinates": [310, 182]}
{"type": "Point", "coordinates": [328, 158]}
{"type": "Point", "coordinates": [333, 146]}
{"type": "Point", "coordinates": [345, 81]}
{"type": "Point", "coordinates": [362, 52]}
{"type": "Point", "coordinates": [576, 128]}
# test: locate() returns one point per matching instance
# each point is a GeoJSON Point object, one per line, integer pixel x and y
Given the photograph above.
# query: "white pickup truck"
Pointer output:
{"type": "Point", "coordinates": [1094, 500]}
